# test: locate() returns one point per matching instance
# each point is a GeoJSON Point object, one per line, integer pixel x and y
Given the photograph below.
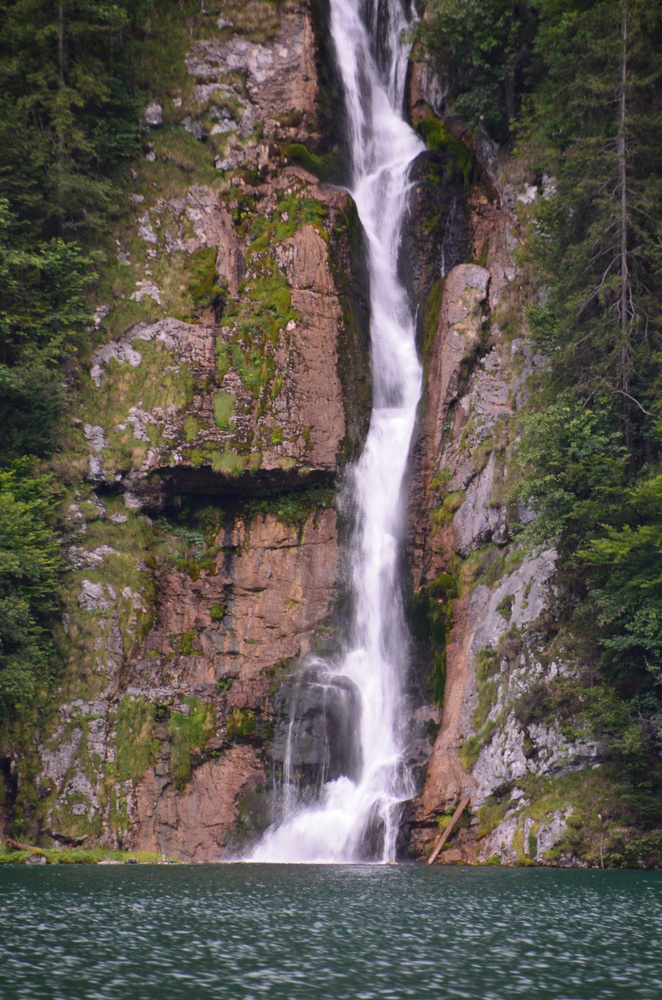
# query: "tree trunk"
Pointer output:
{"type": "Point", "coordinates": [60, 42]}
{"type": "Point", "coordinates": [622, 177]}
{"type": "Point", "coordinates": [60, 138]}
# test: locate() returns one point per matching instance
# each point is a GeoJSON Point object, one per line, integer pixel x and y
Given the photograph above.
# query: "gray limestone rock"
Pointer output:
{"type": "Point", "coordinates": [146, 288]}
{"type": "Point", "coordinates": [93, 597]}
{"type": "Point", "coordinates": [193, 127]}
{"type": "Point", "coordinates": [153, 116]}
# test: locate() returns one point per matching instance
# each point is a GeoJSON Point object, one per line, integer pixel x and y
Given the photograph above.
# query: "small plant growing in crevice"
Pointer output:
{"type": "Point", "coordinates": [240, 724]}
{"type": "Point", "coordinates": [505, 606]}
{"type": "Point", "coordinates": [444, 514]}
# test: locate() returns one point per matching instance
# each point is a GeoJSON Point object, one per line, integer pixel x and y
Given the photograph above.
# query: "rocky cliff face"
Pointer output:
{"type": "Point", "coordinates": [486, 605]}
{"type": "Point", "coordinates": [227, 386]}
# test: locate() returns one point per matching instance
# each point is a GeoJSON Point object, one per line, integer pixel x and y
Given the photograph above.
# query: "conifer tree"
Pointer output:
{"type": "Point", "coordinates": [596, 237]}
{"type": "Point", "coordinates": [66, 69]}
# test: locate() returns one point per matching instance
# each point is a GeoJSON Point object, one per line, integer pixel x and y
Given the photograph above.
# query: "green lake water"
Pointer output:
{"type": "Point", "coordinates": [244, 932]}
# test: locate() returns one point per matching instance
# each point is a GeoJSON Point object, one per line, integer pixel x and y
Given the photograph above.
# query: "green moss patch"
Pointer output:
{"type": "Point", "coordinates": [188, 735]}
{"type": "Point", "coordinates": [81, 855]}
{"type": "Point", "coordinates": [240, 724]}
{"type": "Point", "coordinates": [294, 507]}
{"type": "Point", "coordinates": [258, 317]}
{"type": "Point", "coordinates": [444, 514]}
{"type": "Point", "coordinates": [602, 830]}
{"type": "Point", "coordinates": [160, 381]}
{"type": "Point", "coordinates": [186, 538]}
{"type": "Point", "coordinates": [432, 307]}
{"type": "Point", "coordinates": [177, 146]}
{"type": "Point", "coordinates": [228, 462]}
{"type": "Point", "coordinates": [135, 747]}
{"type": "Point", "coordinates": [293, 212]}
{"type": "Point", "coordinates": [460, 160]}
{"type": "Point", "coordinates": [128, 597]}
{"type": "Point", "coordinates": [204, 283]}
{"type": "Point", "coordinates": [327, 166]}
{"type": "Point", "coordinates": [431, 617]}
{"type": "Point", "coordinates": [224, 408]}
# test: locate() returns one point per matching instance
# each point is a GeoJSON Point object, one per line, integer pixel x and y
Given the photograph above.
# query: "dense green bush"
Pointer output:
{"type": "Point", "coordinates": [30, 563]}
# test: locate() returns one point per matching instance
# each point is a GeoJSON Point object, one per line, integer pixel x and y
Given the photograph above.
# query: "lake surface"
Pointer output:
{"type": "Point", "coordinates": [245, 932]}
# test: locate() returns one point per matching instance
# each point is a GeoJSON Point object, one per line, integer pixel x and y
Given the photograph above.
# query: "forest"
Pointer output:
{"type": "Point", "coordinates": [70, 94]}
{"type": "Point", "coordinates": [575, 90]}
{"type": "Point", "coordinates": [572, 89]}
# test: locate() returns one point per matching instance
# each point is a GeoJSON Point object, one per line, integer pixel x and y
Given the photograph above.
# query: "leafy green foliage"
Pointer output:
{"type": "Point", "coordinates": [68, 120]}
{"type": "Point", "coordinates": [30, 565]}
{"type": "Point", "coordinates": [627, 561]}
{"type": "Point", "coordinates": [608, 529]}
{"type": "Point", "coordinates": [589, 457]}
{"type": "Point", "coordinates": [43, 314]}
{"type": "Point", "coordinates": [483, 47]}
{"type": "Point", "coordinates": [574, 471]}
{"type": "Point", "coordinates": [67, 81]}
{"type": "Point", "coordinates": [594, 239]}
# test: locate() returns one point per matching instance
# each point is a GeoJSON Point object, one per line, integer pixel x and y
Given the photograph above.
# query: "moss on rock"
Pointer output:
{"type": "Point", "coordinates": [188, 732]}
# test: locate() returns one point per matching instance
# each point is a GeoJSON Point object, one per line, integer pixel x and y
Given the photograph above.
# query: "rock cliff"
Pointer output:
{"type": "Point", "coordinates": [486, 605]}
{"type": "Point", "coordinates": [226, 384]}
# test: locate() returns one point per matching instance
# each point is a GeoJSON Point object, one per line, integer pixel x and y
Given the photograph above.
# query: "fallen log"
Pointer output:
{"type": "Point", "coordinates": [15, 846]}
{"type": "Point", "coordinates": [443, 837]}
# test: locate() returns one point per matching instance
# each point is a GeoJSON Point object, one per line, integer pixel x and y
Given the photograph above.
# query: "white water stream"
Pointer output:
{"type": "Point", "coordinates": [373, 62]}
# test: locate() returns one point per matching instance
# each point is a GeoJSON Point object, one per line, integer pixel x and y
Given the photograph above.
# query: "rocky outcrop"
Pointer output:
{"type": "Point", "coordinates": [225, 334]}
{"type": "Point", "coordinates": [220, 399]}
{"type": "Point", "coordinates": [175, 740]}
{"type": "Point", "coordinates": [499, 640]}
{"type": "Point", "coordinates": [492, 595]}
{"type": "Point", "coordinates": [236, 405]}
{"type": "Point", "coordinates": [198, 822]}
{"type": "Point", "coordinates": [226, 384]}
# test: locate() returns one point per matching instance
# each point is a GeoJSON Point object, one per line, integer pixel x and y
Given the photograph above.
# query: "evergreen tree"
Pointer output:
{"type": "Point", "coordinates": [594, 245]}
{"type": "Point", "coordinates": [596, 238]}
{"type": "Point", "coordinates": [482, 49]}
{"type": "Point", "coordinates": [29, 567]}
{"type": "Point", "coordinates": [66, 70]}
{"type": "Point", "coordinates": [42, 314]}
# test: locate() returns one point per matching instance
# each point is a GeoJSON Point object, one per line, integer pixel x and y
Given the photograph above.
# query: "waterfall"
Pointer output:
{"type": "Point", "coordinates": [358, 817]}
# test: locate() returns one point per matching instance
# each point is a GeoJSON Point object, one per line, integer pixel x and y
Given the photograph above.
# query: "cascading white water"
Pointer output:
{"type": "Point", "coordinates": [373, 60]}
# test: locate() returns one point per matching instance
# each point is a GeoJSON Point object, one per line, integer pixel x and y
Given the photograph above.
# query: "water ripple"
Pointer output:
{"type": "Point", "coordinates": [245, 932]}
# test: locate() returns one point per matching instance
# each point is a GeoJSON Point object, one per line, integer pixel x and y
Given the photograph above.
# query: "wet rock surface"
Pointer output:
{"type": "Point", "coordinates": [316, 737]}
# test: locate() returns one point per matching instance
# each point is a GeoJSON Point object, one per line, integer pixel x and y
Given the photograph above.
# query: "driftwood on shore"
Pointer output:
{"type": "Point", "coordinates": [449, 829]}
